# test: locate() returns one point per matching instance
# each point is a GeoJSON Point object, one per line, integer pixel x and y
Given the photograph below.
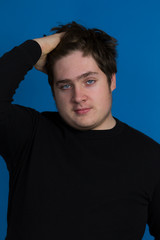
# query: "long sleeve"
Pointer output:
{"type": "Point", "coordinates": [16, 122]}
{"type": "Point", "coordinates": [13, 67]}
{"type": "Point", "coordinates": [154, 212]}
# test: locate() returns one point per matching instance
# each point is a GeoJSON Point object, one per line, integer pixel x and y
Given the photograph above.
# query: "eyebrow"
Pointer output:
{"type": "Point", "coordinates": [84, 75]}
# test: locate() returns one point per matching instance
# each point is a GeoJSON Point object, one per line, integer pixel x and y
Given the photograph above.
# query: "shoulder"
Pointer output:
{"type": "Point", "coordinates": [139, 141]}
{"type": "Point", "coordinates": [52, 116]}
{"type": "Point", "coordinates": [136, 135]}
{"type": "Point", "coordinates": [142, 151]}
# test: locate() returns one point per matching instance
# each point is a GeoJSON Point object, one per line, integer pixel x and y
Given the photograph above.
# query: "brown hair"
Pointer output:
{"type": "Point", "coordinates": [94, 42]}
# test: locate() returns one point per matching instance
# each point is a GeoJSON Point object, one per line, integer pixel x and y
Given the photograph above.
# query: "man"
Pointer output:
{"type": "Point", "coordinates": [79, 173]}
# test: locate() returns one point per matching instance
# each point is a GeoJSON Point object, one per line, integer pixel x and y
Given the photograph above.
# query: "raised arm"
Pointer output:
{"type": "Point", "coordinates": [16, 122]}
{"type": "Point", "coordinates": [47, 44]}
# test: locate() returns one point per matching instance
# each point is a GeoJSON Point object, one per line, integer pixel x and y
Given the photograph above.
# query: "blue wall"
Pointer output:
{"type": "Point", "coordinates": [136, 25]}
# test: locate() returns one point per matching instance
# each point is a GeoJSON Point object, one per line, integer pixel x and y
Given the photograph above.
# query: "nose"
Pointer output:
{"type": "Point", "coordinates": [78, 95]}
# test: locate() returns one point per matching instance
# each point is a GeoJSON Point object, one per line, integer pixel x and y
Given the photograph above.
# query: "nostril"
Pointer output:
{"type": "Point", "coordinates": [79, 98]}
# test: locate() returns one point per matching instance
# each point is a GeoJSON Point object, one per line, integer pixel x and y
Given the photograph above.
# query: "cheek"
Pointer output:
{"type": "Point", "coordinates": [102, 95]}
{"type": "Point", "coordinates": [62, 100]}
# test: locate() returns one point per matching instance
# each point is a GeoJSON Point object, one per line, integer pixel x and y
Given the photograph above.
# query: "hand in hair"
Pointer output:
{"type": "Point", "coordinates": [47, 44]}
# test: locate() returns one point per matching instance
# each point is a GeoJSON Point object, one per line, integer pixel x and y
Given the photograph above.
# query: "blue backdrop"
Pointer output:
{"type": "Point", "coordinates": [136, 25]}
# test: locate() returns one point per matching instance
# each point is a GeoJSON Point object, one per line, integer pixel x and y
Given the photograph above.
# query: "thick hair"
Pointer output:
{"type": "Point", "coordinates": [93, 42]}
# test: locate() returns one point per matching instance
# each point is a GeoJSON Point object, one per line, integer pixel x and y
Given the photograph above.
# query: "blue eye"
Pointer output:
{"type": "Point", "coordinates": [66, 86]}
{"type": "Point", "coordinates": [89, 82]}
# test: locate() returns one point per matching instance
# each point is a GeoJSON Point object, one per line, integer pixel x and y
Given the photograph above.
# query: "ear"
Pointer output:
{"type": "Point", "coordinates": [113, 82]}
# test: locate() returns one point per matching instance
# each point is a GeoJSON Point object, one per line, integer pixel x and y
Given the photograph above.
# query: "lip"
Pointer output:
{"type": "Point", "coordinates": [82, 110]}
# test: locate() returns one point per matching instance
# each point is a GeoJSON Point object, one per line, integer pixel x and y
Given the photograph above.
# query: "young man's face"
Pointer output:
{"type": "Point", "coordinates": [82, 94]}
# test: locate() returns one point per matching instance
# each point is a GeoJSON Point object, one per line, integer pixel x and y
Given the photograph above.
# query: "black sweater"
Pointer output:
{"type": "Point", "coordinates": [66, 183]}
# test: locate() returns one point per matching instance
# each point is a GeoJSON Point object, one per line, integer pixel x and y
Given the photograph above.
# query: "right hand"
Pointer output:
{"type": "Point", "coordinates": [47, 44]}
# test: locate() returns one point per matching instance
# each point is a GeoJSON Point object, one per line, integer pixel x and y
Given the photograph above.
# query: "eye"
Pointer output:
{"type": "Point", "coordinates": [66, 86]}
{"type": "Point", "coordinates": [89, 82]}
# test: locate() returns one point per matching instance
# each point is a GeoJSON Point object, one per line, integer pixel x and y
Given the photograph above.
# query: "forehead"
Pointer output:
{"type": "Point", "coordinates": [73, 65]}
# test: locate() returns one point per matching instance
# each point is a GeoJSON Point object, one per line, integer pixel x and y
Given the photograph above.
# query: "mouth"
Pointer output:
{"type": "Point", "coordinates": [82, 111]}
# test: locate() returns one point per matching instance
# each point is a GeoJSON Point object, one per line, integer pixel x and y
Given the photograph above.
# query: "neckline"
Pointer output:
{"type": "Point", "coordinates": [100, 134]}
{"type": "Point", "coordinates": [89, 134]}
